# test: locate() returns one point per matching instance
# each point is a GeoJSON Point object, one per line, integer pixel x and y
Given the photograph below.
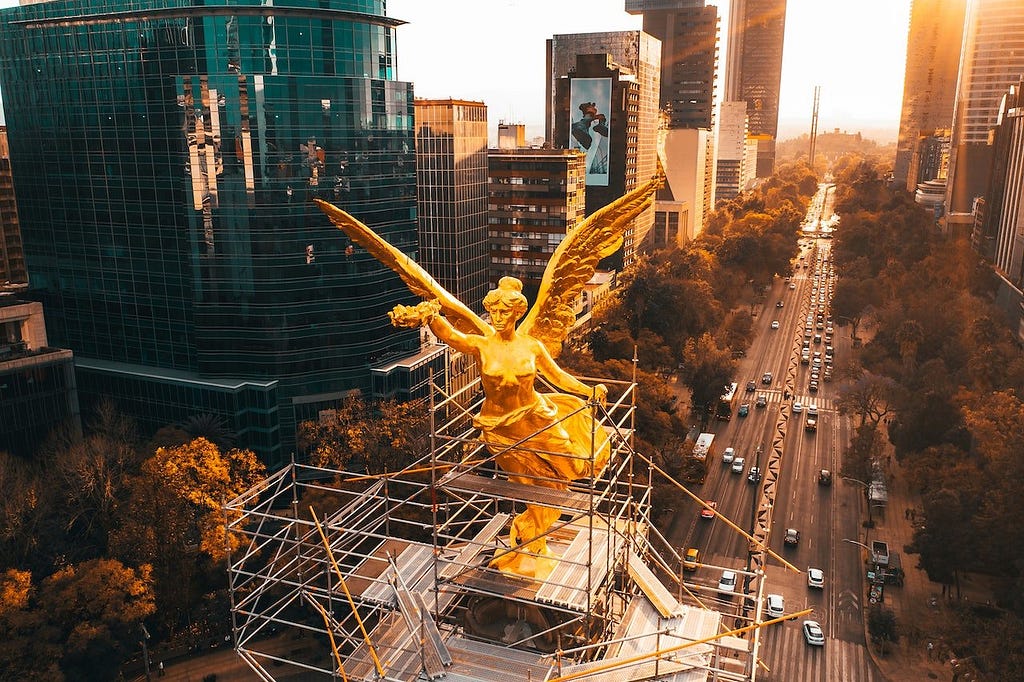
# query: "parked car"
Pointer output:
{"type": "Point", "coordinates": [792, 536]}
{"type": "Point", "coordinates": [737, 465]}
{"type": "Point", "coordinates": [813, 633]}
{"type": "Point", "coordinates": [815, 578]}
{"type": "Point", "coordinates": [775, 605]}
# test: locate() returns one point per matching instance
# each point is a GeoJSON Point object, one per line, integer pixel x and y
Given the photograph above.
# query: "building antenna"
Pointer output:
{"type": "Point", "coordinates": [814, 126]}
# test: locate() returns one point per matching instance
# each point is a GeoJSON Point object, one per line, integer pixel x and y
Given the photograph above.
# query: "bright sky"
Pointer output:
{"type": "Point", "coordinates": [493, 51]}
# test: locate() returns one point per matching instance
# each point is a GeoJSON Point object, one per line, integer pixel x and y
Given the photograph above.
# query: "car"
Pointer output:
{"type": "Point", "coordinates": [827, 376]}
{"type": "Point", "coordinates": [792, 536]}
{"type": "Point", "coordinates": [779, 304]}
{"type": "Point", "coordinates": [708, 510]}
{"type": "Point", "coordinates": [762, 400]}
{"type": "Point", "coordinates": [775, 605]}
{"type": "Point", "coordinates": [812, 410]}
{"type": "Point", "coordinates": [812, 386]}
{"type": "Point", "coordinates": [824, 477]}
{"type": "Point", "coordinates": [766, 378]}
{"type": "Point", "coordinates": [805, 359]}
{"type": "Point", "coordinates": [690, 559]}
{"type": "Point", "coordinates": [727, 583]}
{"type": "Point", "coordinates": [813, 633]}
{"type": "Point", "coordinates": [737, 465]}
{"type": "Point", "coordinates": [798, 407]}
{"type": "Point", "coordinates": [811, 424]}
{"type": "Point", "coordinates": [792, 286]}
{"type": "Point", "coordinates": [816, 578]}
{"type": "Point", "coordinates": [728, 454]}
{"type": "Point", "coordinates": [751, 386]}
{"type": "Point", "coordinates": [775, 324]}
{"type": "Point", "coordinates": [744, 410]}
{"type": "Point", "coordinates": [755, 475]}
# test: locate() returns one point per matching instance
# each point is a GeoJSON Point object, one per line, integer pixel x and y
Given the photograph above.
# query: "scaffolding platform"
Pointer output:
{"type": "Point", "coordinates": [396, 582]}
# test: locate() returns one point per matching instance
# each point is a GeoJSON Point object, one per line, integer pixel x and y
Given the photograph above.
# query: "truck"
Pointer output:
{"type": "Point", "coordinates": [703, 446]}
{"type": "Point", "coordinates": [879, 553]}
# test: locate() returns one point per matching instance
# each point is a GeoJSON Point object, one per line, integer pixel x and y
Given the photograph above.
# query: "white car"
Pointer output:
{"type": "Point", "coordinates": [727, 583]}
{"type": "Point", "coordinates": [816, 578]}
{"type": "Point", "coordinates": [775, 605]}
{"type": "Point", "coordinates": [798, 407]}
{"type": "Point", "coordinates": [813, 633]}
{"type": "Point", "coordinates": [728, 455]}
{"type": "Point", "coordinates": [775, 324]}
{"type": "Point", "coordinates": [737, 465]}
{"type": "Point", "coordinates": [812, 410]}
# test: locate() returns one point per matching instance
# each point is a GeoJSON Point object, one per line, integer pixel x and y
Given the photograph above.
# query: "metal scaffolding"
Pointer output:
{"type": "Point", "coordinates": [343, 575]}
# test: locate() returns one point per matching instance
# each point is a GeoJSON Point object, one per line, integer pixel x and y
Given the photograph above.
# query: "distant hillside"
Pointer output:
{"type": "Point", "coordinates": [830, 146]}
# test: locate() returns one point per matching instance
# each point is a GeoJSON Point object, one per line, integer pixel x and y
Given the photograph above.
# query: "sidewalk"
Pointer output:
{"type": "Point", "coordinates": [918, 621]}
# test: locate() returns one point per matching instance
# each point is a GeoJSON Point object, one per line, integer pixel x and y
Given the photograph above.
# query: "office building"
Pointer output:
{"type": "Point", "coordinates": [13, 274]}
{"type": "Point", "coordinates": [37, 382]}
{"type": "Point", "coordinates": [736, 163]}
{"type": "Point", "coordinates": [511, 135]}
{"type": "Point", "coordinates": [536, 198]}
{"type": "Point", "coordinates": [754, 70]}
{"type": "Point", "coordinates": [929, 85]}
{"type": "Point", "coordinates": [451, 195]}
{"type": "Point", "coordinates": [604, 100]}
{"type": "Point", "coordinates": [165, 158]}
{"type": "Point", "coordinates": [992, 60]}
{"type": "Point", "coordinates": [688, 31]}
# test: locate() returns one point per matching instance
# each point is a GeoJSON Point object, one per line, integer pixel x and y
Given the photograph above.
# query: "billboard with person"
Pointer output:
{"type": "Point", "coordinates": [590, 102]}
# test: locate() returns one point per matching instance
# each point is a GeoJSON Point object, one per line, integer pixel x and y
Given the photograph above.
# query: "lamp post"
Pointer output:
{"type": "Point", "coordinates": [145, 648]}
{"type": "Point", "coordinates": [867, 487]}
{"type": "Point", "coordinates": [859, 544]}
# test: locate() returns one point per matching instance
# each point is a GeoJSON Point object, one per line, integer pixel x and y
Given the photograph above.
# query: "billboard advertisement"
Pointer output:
{"type": "Point", "coordinates": [590, 102]}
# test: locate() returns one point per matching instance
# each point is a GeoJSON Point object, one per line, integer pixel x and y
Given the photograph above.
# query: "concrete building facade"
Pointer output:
{"type": "Point", "coordinates": [929, 85]}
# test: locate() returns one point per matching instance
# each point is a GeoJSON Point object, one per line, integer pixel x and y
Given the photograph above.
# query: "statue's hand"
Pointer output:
{"type": "Point", "coordinates": [414, 316]}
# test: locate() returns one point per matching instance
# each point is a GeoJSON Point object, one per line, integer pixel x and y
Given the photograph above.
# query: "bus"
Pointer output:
{"type": "Point", "coordinates": [724, 410]}
{"type": "Point", "coordinates": [702, 447]}
{"type": "Point", "coordinates": [694, 468]}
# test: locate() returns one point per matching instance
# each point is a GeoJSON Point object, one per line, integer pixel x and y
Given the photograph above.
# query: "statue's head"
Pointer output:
{"type": "Point", "coordinates": [509, 293]}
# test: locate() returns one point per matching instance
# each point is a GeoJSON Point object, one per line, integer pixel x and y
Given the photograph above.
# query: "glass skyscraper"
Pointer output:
{"type": "Point", "coordinates": [165, 155]}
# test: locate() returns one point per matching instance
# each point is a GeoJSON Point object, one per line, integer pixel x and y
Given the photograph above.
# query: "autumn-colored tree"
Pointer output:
{"type": "Point", "coordinates": [27, 650]}
{"type": "Point", "coordinates": [94, 610]}
{"type": "Point", "coordinates": [707, 371]}
{"type": "Point", "coordinates": [174, 521]}
{"type": "Point", "coordinates": [867, 397]}
{"type": "Point", "coordinates": [384, 437]}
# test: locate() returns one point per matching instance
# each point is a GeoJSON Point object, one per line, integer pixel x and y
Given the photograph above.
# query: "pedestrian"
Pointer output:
{"type": "Point", "coordinates": [930, 648]}
{"type": "Point", "coordinates": [160, 669]}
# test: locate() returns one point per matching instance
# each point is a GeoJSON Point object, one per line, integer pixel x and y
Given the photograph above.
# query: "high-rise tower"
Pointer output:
{"type": "Point", "coordinates": [688, 31]}
{"type": "Point", "coordinates": [12, 256]}
{"type": "Point", "coordinates": [451, 169]}
{"type": "Point", "coordinates": [604, 90]}
{"type": "Point", "coordinates": [929, 84]}
{"type": "Point", "coordinates": [992, 60]}
{"type": "Point", "coordinates": [754, 70]}
{"type": "Point", "coordinates": [165, 155]}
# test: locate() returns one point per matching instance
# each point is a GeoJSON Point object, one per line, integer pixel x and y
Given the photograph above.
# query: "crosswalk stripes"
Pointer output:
{"type": "Point", "coordinates": [787, 657]}
{"type": "Point", "coordinates": [824, 404]}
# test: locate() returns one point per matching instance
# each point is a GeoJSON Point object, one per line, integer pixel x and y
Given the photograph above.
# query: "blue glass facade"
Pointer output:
{"type": "Point", "coordinates": [165, 155]}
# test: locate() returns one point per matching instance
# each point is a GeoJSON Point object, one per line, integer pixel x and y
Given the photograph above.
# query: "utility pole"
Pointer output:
{"type": "Point", "coordinates": [814, 125]}
{"type": "Point", "coordinates": [145, 648]}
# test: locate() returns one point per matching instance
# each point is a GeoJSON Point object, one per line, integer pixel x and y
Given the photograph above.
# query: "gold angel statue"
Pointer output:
{"type": "Point", "coordinates": [543, 439]}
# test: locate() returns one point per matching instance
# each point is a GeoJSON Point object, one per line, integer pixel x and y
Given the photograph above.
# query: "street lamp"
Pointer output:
{"type": "Point", "coordinates": [867, 488]}
{"type": "Point", "coordinates": [859, 544]}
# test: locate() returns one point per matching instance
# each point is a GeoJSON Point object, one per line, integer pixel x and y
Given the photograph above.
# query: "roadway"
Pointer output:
{"type": "Point", "coordinates": [824, 515]}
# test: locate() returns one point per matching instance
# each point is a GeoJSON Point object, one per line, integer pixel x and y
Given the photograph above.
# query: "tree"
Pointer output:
{"type": "Point", "coordinates": [94, 609]}
{"type": "Point", "coordinates": [28, 650]}
{"type": "Point", "coordinates": [707, 372]}
{"type": "Point", "coordinates": [882, 626]}
{"type": "Point", "coordinates": [851, 301]}
{"type": "Point", "coordinates": [868, 398]}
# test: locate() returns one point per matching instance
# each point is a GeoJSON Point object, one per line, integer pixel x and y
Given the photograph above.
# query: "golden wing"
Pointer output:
{"type": "Point", "coordinates": [575, 260]}
{"type": "Point", "coordinates": [415, 277]}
